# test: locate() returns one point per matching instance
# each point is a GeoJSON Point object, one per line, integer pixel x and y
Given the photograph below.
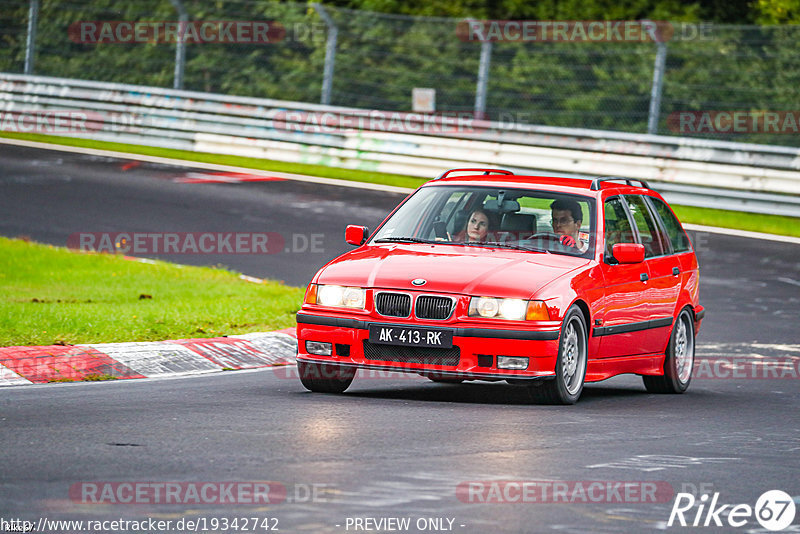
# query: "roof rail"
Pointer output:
{"type": "Point", "coordinates": [484, 171]}
{"type": "Point", "coordinates": [629, 181]}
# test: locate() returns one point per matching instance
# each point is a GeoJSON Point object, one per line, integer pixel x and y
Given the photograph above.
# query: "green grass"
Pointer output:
{"type": "Point", "coordinates": [52, 295]}
{"type": "Point", "coordinates": [773, 224]}
{"type": "Point", "coordinates": [99, 377]}
{"type": "Point", "coordinates": [756, 222]}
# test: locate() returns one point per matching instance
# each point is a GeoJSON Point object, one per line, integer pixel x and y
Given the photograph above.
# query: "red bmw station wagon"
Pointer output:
{"type": "Point", "coordinates": [481, 274]}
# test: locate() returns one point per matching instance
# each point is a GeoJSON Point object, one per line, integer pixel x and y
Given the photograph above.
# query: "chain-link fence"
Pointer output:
{"type": "Point", "coordinates": [370, 60]}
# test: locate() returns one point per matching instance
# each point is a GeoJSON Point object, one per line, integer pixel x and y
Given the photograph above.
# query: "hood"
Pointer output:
{"type": "Point", "coordinates": [449, 269]}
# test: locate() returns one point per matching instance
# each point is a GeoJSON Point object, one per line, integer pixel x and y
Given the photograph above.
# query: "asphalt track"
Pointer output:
{"type": "Point", "coordinates": [390, 447]}
{"type": "Point", "coordinates": [48, 196]}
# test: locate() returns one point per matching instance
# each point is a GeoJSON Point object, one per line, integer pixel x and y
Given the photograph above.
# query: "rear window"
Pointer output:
{"type": "Point", "coordinates": [676, 234]}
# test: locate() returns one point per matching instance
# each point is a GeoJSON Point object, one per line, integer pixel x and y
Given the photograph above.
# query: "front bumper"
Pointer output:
{"type": "Point", "coordinates": [473, 356]}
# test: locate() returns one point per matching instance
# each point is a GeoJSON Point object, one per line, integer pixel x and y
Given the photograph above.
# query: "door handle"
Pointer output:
{"type": "Point", "coordinates": [643, 277]}
{"type": "Point", "coordinates": [676, 271]}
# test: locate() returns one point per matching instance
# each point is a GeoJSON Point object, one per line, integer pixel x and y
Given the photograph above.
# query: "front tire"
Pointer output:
{"type": "Point", "coordinates": [324, 378]}
{"type": "Point", "coordinates": [679, 359]}
{"type": "Point", "coordinates": [573, 355]}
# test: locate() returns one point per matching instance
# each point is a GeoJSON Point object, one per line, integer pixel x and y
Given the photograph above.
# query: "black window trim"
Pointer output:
{"type": "Point", "coordinates": [660, 224]}
{"type": "Point", "coordinates": [631, 222]}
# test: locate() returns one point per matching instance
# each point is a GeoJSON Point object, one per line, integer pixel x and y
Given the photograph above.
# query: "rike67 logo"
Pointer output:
{"type": "Point", "coordinates": [774, 510]}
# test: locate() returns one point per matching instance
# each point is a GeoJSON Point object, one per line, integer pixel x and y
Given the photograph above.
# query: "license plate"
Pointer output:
{"type": "Point", "coordinates": [411, 336]}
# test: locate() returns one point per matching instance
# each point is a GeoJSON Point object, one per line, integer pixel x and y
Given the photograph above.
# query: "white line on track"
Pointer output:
{"type": "Point", "coordinates": [325, 181]}
{"type": "Point", "coordinates": [743, 233]}
{"type": "Point", "coordinates": [207, 166]}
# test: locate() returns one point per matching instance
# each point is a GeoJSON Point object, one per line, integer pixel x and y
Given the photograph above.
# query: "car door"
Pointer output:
{"type": "Point", "coordinates": [625, 307]}
{"type": "Point", "coordinates": [663, 269]}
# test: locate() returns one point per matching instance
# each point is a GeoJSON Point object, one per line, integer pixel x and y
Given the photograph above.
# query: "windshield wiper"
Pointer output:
{"type": "Point", "coordinates": [406, 240]}
{"type": "Point", "coordinates": [468, 244]}
{"type": "Point", "coordinates": [517, 247]}
{"type": "Point", "coordinates": [495, 244]}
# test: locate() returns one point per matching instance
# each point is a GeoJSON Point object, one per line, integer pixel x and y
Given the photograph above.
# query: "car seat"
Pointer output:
{"type": "Point", "coordinates": [521, 225]}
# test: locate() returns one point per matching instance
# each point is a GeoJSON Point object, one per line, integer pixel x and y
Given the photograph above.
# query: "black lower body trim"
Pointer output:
{"type": "Point", "coordinates": [533, 335]}
{"type": "Point", "coordinates": [631, 327]}
{"type": "Point", "coordinates": [341, 322]}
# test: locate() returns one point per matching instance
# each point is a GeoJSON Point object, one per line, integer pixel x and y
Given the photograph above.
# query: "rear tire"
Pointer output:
{"type": "Point", "coordinates": [573, 355]}
{"type": "Point", "coordinates": [679, 359]}
{"type": "Point", "coordinates": [324, 378]}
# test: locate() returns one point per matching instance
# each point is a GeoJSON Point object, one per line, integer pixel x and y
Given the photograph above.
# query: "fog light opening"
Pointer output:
{"type": "Point", "coordinates": [518, 363]}
{"type": "Point", "coordinates": [485, 360]}
{"type": "Point", "coordinates": [320, 348]}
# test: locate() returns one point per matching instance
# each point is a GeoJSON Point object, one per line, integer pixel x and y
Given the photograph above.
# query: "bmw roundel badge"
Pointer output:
{"type": "Point", "coordinates": [419, 281]}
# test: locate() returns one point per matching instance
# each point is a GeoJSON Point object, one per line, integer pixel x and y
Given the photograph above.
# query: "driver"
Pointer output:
{"type": "Point", "coordinates": [566, 220]}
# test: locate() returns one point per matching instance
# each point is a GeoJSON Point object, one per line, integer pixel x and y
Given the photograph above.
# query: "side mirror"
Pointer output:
{"type": "Point", "coordinates": [628, 252]}
{"type": "Point", "coordinates": [356, 235]}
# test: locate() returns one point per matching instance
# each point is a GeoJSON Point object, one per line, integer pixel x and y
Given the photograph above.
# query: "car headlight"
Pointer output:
{"type": "Point", "coordinates": [339, 296]}
{"type": "Point", "coordinates": [486, 307]}
{"type": "Point", "coordinates": [510, 309]}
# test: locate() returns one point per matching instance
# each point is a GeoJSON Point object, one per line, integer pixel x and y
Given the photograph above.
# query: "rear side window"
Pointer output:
{"type": "Point", "coordinates": [648, 229]}
{"type": "Point", "coordinates": [678, 238]}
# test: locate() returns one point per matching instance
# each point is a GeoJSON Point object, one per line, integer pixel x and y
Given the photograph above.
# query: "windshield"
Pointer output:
{"type": "Point", "coordinates": [524, 219]}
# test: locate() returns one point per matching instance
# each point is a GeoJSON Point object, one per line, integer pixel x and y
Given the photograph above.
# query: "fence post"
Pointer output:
{"type": "Point", "coordinates": [330, 53]}
{"type": "Point", "coordinates": [483, 79]}
{"type": "Point", "coordinates": [657, 88]}
{"type": "Point", "coordinates": [30, 45]}
{"type": "Point", "coordinates": [180, 47]}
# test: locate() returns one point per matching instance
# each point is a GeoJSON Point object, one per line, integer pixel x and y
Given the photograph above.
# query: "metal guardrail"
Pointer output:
{"type": "Point", "coordinates": [696, 172]}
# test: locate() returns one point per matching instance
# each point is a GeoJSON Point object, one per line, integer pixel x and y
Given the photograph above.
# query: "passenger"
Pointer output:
{"type": "Point", "coordinates": [566, 221]}
{"type": "Point", "coordinates": [476, 229]}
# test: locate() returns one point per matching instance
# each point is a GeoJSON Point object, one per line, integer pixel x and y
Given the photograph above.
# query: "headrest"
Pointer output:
{"type": "Point", "coordinates": [519, 222]}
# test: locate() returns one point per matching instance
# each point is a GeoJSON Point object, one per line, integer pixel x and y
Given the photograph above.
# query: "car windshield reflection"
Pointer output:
{"type": "Point", "coordinates": [517, 219]}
